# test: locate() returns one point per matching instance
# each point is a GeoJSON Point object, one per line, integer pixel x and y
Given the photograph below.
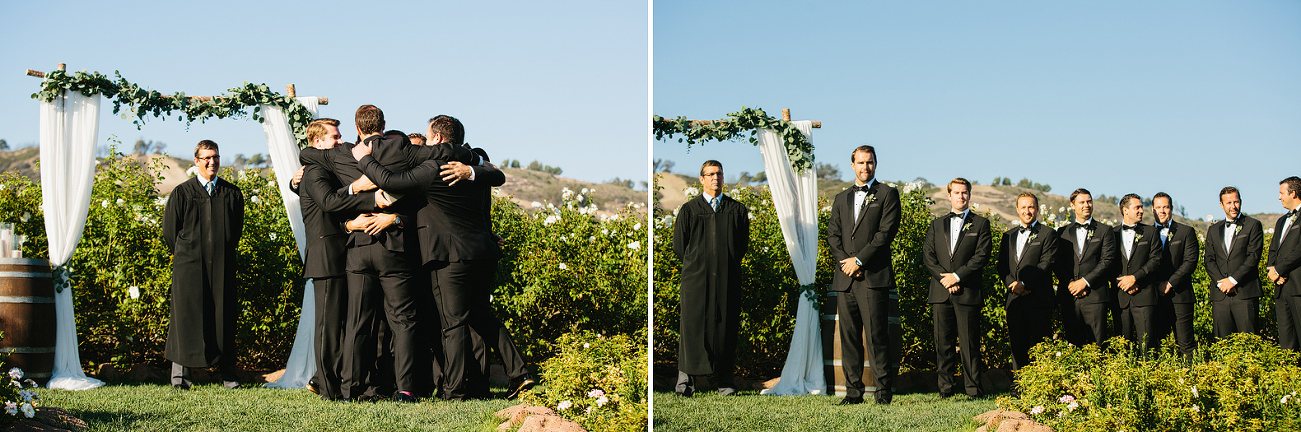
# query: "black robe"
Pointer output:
{"type": "Point", "coordinates": [203, 234]}
{"type": "Point", "coordinates": [710, 245]}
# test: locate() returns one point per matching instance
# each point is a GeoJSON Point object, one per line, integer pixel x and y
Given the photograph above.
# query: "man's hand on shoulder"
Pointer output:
{"type": "Point", "coordinates": [360, 150]}
{"type": "Point", "coordinates": [362, 184]}
{"type": "Point", "coordinates": [298, 176]}
{"type": "Point", "coordinates": [455, 172]}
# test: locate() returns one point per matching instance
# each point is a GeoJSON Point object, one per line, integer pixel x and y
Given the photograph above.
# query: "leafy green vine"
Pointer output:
{"type": "Point", "coordinates": [798, 147]}
{"type": "Point", "coordinates": [142, 103]}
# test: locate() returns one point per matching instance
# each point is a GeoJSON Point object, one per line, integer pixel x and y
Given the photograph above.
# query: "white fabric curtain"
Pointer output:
{"type": "Point", "coordinates": [69, 129]}
{"type": "Point", "coordinates": [283, 148]}
{"type": "Point", "coordinates": [795, 196]}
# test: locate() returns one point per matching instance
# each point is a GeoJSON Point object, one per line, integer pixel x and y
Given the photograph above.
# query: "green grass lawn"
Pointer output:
{"type": "Point", "coordinates": [151, 407]}
{"type": "Point", "coordinates": [753, 412]}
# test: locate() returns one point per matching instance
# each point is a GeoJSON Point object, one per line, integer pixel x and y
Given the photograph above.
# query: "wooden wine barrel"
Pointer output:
{"type": "Point", "coordinates": [831, 354]}
{"type": "Point", "coordinates": [27, 316]}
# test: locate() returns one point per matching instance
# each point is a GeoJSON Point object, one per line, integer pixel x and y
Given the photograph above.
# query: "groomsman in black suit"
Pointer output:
{"type": "Point", "coordinates": [1086, 251]}
{"type": "Point", "coordinates": [955, 251]}
{"type": "Point", "coordinates": [1138, 257]}
{"type": "Point", "coordinates": [460, 252]}
{"type": "Point", "coordinates": [1179, 255]}
{"type": "Point", "coordinates": [1285, 265]}
{"type": "Point", "coordinates": [321, 201]}
{"type": "Point", "coordinates": [710, 235]}
{"type": "Point", "coordinates": [1232, 255]}
{"type": "Point", "coordinates": [1025, 262]}
{"type": "Point", "coordinates": [864, 221]}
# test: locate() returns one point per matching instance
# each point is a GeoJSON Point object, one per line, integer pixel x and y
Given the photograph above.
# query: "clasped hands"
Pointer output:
{"type": "Point", "coordinates": [1278, 279]}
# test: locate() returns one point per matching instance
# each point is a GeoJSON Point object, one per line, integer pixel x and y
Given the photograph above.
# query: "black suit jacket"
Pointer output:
{"type": "Point", "coordinates": [967, 261]}
{"type": "Point", "coordinates": [1033, 269]}
{"type": "Point", "coordinates": [453, 226]}
{"type": "Point", "coordinates": [1095, 265]}
{"type": "Point", "coordinates": [868, 238]}
{"type": "Point", "coordinates": [322, 201]}
{"type": "Point", "coordinates": [1143, 262]}
{"type": "Point", "coordinates": [1242, 263]}
{"type": "Point", "coordinates": [1179, 258]}
{"type": "Point", "coordinates": [1285, 257]}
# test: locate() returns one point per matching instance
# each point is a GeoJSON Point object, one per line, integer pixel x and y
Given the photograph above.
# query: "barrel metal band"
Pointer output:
{"type": "Point", "coordinates": [18, 299]}
{"type": "Point", "coordinates": [28, 350]}
{"type": "Point", "coordinates": [23, 275]}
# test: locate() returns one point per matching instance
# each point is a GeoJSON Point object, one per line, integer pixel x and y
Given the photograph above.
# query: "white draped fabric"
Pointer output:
{"type": "Point", "coordinates": [795, 196]}
{"type": "Point", "coordinates": [283, 148]}
{"type": "Point", "coordinates": [69, 129]}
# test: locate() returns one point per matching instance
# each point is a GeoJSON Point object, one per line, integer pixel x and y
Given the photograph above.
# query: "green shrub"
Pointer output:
{"type": "Point", "coordinates": [1239, 383]}
{"type": "Point", "coordinates": [18, 400]}
{"type": "Point", "coordinates": [597, 381]}
{"type": "Point", "coordinates": [122, 269]}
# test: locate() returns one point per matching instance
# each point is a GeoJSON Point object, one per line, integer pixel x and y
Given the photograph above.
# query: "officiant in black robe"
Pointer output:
{"type": "Point", "coordinates": [202, 223]}
{"type": "Point", "coordinates": [710, 235]}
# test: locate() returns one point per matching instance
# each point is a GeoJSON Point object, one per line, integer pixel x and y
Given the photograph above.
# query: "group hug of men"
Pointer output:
{"type": "Point", "coordinates": [1137, 274]}
{"type": "Point", "coordinates": [400, 251]}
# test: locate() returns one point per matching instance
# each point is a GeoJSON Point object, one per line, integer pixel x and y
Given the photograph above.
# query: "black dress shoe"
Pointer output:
{"type": "Point", "coordinates": [883, 398]}
{"type": "Point", "coordinates": [851, 400]}
{"type": "Point", "coordinates": [519, 385]}
{"type": "Point", "coordinates": [404, 398]}
{"type": "Point", "coordinates": [946, 395]}
{"type": "Point", "coordinates": [311, 387]}
{"type": "Point", "coordinates": [181, 386]}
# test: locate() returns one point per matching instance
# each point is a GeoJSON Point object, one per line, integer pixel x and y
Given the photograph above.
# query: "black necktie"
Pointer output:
{"type": "Point", "coordinates": [1127, 227]}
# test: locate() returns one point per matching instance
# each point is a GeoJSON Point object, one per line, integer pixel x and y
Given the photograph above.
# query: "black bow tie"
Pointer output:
{"type": "Point", "coordinates": [1078, 225]}
{"type": "Point", "coordinates": [1230, 222]}
{"type": "Point", "coordinates": [1023, 229]}
{"type": "Point", "coordinates": [953, 214]}
{"type": "Point", "coordinates": [1128, 227]}
{"type": "Point", "coordinates": [863, 188]}
{"type": "Point", "coordinates": [1159, 226]}
{"type": "Point", "coordinates": [1289, 214]}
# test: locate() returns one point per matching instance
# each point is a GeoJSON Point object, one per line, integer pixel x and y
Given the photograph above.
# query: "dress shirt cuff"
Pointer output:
{"type": "Point", "coordinates": [472, 173]}
{"type": "Point", "coordinates": [1233, 281]}
{"type": "Point", "coordinates": [959, 278]}
{"type": "Point", "coordinates": [858, 262]}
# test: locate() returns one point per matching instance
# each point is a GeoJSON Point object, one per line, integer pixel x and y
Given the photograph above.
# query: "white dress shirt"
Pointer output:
{"type": "Point", "coordinates": [1287, 225]}
{"type": "Point", "coordinates": [1127, 239]}
{"type": "Point", "coordinates": [1229, 228]}
{"type": "Point", "coordinates": [204, 184]}
{"type": "Point", "coordinates": [710, 200]}
{"type": "Point", "coordinates": [1023, 238]}
{"type": "Point", "coordinates": [1081, 238]}
{"type": "Point", "coordinates": [955, 228]}
{"type": "Point", "coordinates": [860, 197]}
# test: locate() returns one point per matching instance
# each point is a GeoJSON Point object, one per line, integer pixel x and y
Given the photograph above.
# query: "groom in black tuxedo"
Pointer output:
{"type": "Point", "coordinates": [955, 251]}
{"type": "Point", "coordinates": [1086, 250]}
{"type": "Point", "coordinates": [1284, 265]}
{"type": "Point", "coordinates": [1232, 257]}
{"type": "Point", "coordinates": [864, 221]}
{"type": "Point", "coordinates": [1179, 253]}
{"type": "Point", "coordinates": [1025, 262]}
{"type": "Point", "coordinates": [1138, 257]}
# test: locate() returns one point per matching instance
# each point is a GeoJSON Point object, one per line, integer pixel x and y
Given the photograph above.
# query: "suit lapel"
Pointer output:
{"type": "Point", "coordinates": [862, 212]}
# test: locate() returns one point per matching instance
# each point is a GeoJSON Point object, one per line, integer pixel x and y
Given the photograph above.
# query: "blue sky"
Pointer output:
{"type": "Point", "coordinates": [1180, 96]}
{"type": "Point", "coordinates": [564, 83]}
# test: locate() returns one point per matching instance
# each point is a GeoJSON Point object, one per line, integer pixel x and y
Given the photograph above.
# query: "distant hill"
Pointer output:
{"type": "Point", "coordinates": [999, 200]}
{"type": "Point", "coordinates": [522, 185]}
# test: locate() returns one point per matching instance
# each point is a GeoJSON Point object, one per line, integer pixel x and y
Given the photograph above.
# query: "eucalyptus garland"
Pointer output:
{"type": "Point", "coordinates": [142, 103]}
{"type": "Point", "coordinates": [798, 147]}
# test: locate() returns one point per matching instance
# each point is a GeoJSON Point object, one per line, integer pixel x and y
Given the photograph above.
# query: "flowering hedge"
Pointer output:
{"type": "Point", "coordinates": [1245, 384]}
{"type": "Point", "coordinates": [770, 288]}
{"type": "Point", "coordinates": [550, 281]}
{"type": "Point", "coordinates": [18, 395]}
{"type": "Point", "coordinates": [598, 381]}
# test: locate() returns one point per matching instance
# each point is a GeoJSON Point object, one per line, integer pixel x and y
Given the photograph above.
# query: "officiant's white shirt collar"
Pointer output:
{"type": "Point", "coordinates": [709, 197]}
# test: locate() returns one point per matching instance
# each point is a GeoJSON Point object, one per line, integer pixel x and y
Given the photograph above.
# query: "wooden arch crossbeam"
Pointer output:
{"type": "Point", "coordinates": [288, 88]}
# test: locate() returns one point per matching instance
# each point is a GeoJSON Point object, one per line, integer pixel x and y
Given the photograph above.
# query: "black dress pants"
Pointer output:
{"type": "Point", "coordinates": [1233, 315]}
{"type": "Point", "coordinates": [462, 292]}
{"type": "Point", "coordinates": [869, 310]}
{"type": "Point", "coordinates": [957, 325]}
{"type": "Point", "coordinates": [379, 280]}
{"type": "Point", "coordinates": [331, 296]}
{"type": "Point", "coordinates": [1026, 327]}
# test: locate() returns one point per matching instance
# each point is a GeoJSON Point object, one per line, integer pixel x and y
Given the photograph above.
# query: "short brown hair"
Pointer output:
{"type": "Point", "coordinates": [449, 127]}
{"type": "Point", "coordinates": [1080, 191]}
{"type": "Point", "coordinates": [864, 149]}
{"type": "Point", "coordinates": [1124, 201]}
{"type": "Point", "coordinates": [316, 128]}
{"type": "Point", "coordinates": [1028, 195]}
{"type": "Point", "coordinates": [960, 181]}
{"type": "Point", "coordinates": [1293, 185]}
{"type": "Point", "coordinates": [710, 163]}
{"type": "Point", "coordinates": [205, 145]}
{"type": "Point", "coordinates": [1162, 195]}
{"type": "Point", "coordinates": [415, 136]}
{"type": "Point", "coordinates": [369, 119]}
{"type": "Point", "coordinates": [393, 132]}
{"type": "Point", "coordinates": [1229, 190]}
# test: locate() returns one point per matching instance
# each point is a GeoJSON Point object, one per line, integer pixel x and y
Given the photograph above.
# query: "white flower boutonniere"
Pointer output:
{"type": "Point", "coordinates": [1089, 236]}
{"type": "Point", "coordinates": [1237, 229]}
{"type": "Point", "coordinates": [869, 200]}
{"type": "Point", "coordinates": [1032, 237]}
{"type": "Point", "coordinates": [1138, 237]}
{"type": "Point", "coordinates": [1292, 219]}
{"type": "Point", "coordinates": [967, 226]}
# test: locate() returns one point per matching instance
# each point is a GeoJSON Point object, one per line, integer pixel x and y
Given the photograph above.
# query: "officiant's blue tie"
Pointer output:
{"type": "Point", "coordinates": [209, 186]}
{"type": "Point", "coordinates": [713, 202]}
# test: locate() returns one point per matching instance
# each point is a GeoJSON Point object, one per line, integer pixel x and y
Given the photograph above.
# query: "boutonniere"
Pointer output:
{"type": "Point", "coordinates": [1032, 237]}
{"type": "Point", "coordinates": [1237, 229]}
{"type": "Point", "coordinates": [1089, 236]}
{"type": "Point", "coordinates": [1138, 237]}
{"type": "Point", "coordinates": [967, 226]}
{"type": "Point", "coordinates": [1293, 218]}
{"type": "Point", "coordinates": [870, 198]}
